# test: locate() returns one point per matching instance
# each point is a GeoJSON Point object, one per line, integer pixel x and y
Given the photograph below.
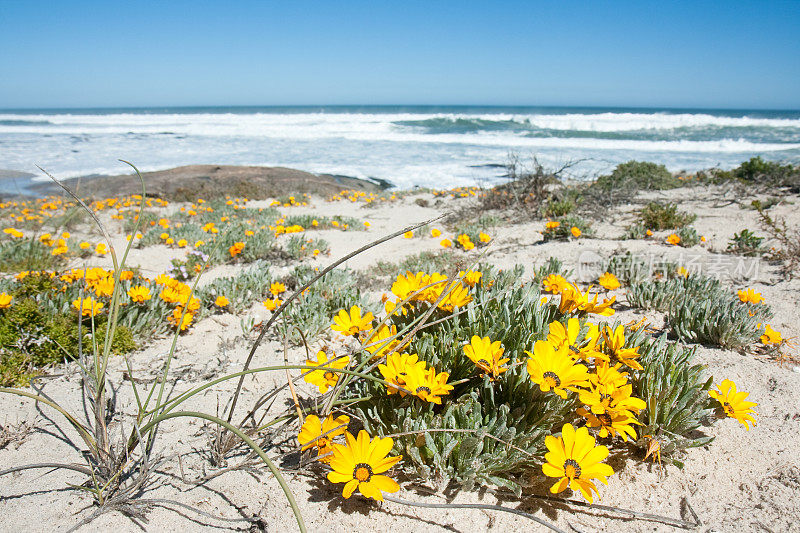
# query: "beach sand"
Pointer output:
{"type": "Point", "coordinates": [743, 481]}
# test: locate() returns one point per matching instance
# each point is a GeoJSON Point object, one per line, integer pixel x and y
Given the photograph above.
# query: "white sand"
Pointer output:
{"type": "Point", "coordinates": [743, 481]}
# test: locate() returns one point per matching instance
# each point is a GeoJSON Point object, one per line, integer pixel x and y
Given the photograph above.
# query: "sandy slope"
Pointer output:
{"type": "Point", "coordinates": [743, 481]}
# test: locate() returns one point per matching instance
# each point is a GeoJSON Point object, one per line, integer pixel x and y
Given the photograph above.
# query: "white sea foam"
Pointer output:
{"type": "Point", "coordinates": [407, 148]}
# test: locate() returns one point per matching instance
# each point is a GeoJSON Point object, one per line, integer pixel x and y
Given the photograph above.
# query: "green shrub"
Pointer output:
{"type": "Point", "coordinates": [689, 236]}
{"type": "Point", "coordinates": [758, 170]}
{"type": "Point", "coordinates": [32, 339]}
{"type": "Point", "coordinates": [558, 208]}
{"type": "Point", "coordinates": [639, 175]}
{"type": "Point", "coordinates": [564, 229]}
{"type": "Point", "coordinates": [746, 243]}
{"type": "Point", "coordinates": [657, 216]}
{"type": "Point", "coordinates": [27, 254]}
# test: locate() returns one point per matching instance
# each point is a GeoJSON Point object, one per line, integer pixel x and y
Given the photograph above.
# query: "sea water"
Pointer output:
{"type": "Point", "coordinates": [429, 146]}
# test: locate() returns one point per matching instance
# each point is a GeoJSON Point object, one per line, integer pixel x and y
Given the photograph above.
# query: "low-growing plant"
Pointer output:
{"type": "Point", "coordinates": [676, 393]}
{"type": "Point", "coordinates": [251, 284]}
{"type": "Point", "coordinates": [27, 254]}
{"type": "Point", "coordinates": [639, 174]}
{"type": "Point", "coordinates": [746, 243]}
{"type": "Point", "coordinates": [564, 228]}
{"type": "Point", "coordinates": [787, 239]}
{"type": "Point", "coordinates": [658, 216]}
{"type": "Point", "coordinates": [689, 236]}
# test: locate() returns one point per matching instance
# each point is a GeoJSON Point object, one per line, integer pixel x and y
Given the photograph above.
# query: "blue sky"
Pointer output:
{"type": "Point", "coordinates": [638, 53]}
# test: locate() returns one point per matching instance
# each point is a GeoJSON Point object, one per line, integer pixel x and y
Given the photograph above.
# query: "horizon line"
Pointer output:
{"type": "Point", "coordinates": [285, 106]}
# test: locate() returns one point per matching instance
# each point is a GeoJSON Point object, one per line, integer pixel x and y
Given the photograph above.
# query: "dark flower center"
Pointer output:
{"type": "Point", "coordinates": [423, 391]}
{"type": "Point", "coordinates": [552, 378]}
{"type": "Point", "coordinates": [362, 472]}
{"type": "Point", "coordinates": [726, 406]}
{"type": "Point", "coordinates": [605, 419]}
{"type": "Point", "coordinates": [330, 376]}
{"type": "Point", "coordinates": [572, 469]}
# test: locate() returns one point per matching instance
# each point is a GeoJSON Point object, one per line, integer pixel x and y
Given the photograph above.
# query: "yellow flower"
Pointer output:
{"type": "Point", "coordinates": [484, 237]}
{"type": "Point", "coordinates": [487, 355]}
{"type": "Point", "coordinates": [126, 275]}
{"type": "Point", "coordinates": [5, 300]}
{"type": "Point", "coordinates": [271, 304]}
{"type": "Point", "coordinates": [611, 423]}
{"type": "Point", "coordinates": [408, 234]}
{"type": "Point", "coordinates": [103, 286]}
{"type": "Point", "coordinates": [614, 342]}
{"type": "Point", "coordinates": [182, 243]}
{"type": "Point", "coordinates": [551, 369]}
{"type": "Point", "coordinates": [59, 250]}
{"type": "Point", "coordinates": [681, 271]}
{"type": "Point", "coordinates": [277, 288]}
{"type": "Point", "coordinates": [674, 239]}
{"type": "Point", "coordinates": [324, 379]}
{"type": "Point", "coordinates": [320, 434]}
{"type": "Point", "coordinates": [14, 232]}
{"type": "Point", "coordinates": [574, 458]}
{"type": "Point", "coordinates": [426, 384]}
{"type": "Point", "coordinates": [360, 463]}
{"type": "Point", "coordinates": [609, 281]}
{"type": "Point", "coordinates": [573, 300]}
{"type": "Point", "coordinates": [445, 243]}
{"type": "Point", "coordinates": [101, 249]}
{"type": "Point", "coordinates": [560, 337]}
{"type": "Point", "coordinates": [771, 336]}
{"type": "Point", "coordinates": [471, 277]}
{"type": "Point", "coordinates": [88, 306]}
{"type": "Point", "coordinates": [376, 341]}
{"type": "Point", "coordinates": [84, 245]}
{"type": "Point", "coordinates": [179, 319]}
{"type": "Point", "coordinates": [458, 296]}
{"type": "Point", "coordinates": [554, 283]}
{"type": "Point", "coordinates": [608, 399]}
{"type": "Point", "coordinates": [552, 224]}
{"type": "Point", "coordinates": [352, 323]}
{"type": "Point", "coordinates": [648, 233]}
{"type": "Point", "coordinates": [435, 233]}
{"type": "Point", "coordinates": [236, 249]}
{"type": "Point", "coordinates": [576, 231]}
{"type": "Point", "coordinates": [396, 369]}
{"type": "Point", "coordinates": [139, 294]}
{"type": "Point", "coordinates": [750, 296]}
{"type": "Point", "coordinates": [221, 301]}
{"type": "Point", "coordinates": [734, 404]}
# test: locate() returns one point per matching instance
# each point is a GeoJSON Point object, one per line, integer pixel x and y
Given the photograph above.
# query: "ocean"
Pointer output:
{"type": "Point", "coordinates": [430, 146]}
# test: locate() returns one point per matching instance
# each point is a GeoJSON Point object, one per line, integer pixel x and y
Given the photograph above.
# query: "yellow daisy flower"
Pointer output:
{"type": "Point", "coordinates": [324, 379]}
{"type": "Point", "coordinates": [487, 355]}
{"type": "Point", "coordinates": [551, 369]}
{"type": "Point", "coordinates": [351, 323]}
{"type": "Point", "coordinates": [426, 384]}
{"type": "Point", "coordinates": [734, 404]}
{"type": "Point", "coordinates": [320, 434]}
{"type": "Point", "coordinates": [360, 463]}
{"type": "Point", "coordinates": [609, 281]}
{"type": "Point", "coordinates": [574, 458]}
{"type": "Point", "coordinates": [614, 342]}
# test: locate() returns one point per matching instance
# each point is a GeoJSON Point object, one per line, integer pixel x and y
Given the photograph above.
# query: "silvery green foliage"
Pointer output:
{"type": "Point", "coordinates": [551, 266]}
{"type": "Point", "coordinates": [311, 313]}
{"type": "Point", "coordinates": [249, 285]}
{"type": "Point", "coordinates": [676, 393]}
{"type": "Point", "coordinates": [511, 408]}
{"type": "Point", "coordinates": [689, 236]}
{"type": "Point", "coordinates": [700, 310]}
{"type": "Point", "coordinates": [632, 269]}
{"type": "Point", "coordinates": [720, 322]}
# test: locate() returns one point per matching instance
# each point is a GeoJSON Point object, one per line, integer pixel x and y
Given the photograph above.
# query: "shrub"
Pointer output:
{"type": "Point", "coordinates": [657, 216]}
{"type": "Point", "coordinates": [689, 236]}
{"type": "Point", "coordinates": [32, 339]}
{"type": "Point", "coordinates": [558, 208]}
{"type": "Point", "coordinates": [27, 254]}
{"type": "Point", "coordinates": [639, 175]}
{"type": "Point", "coordinates": [757, 170]}
{"type": "Point", "coordinates": [746, 243]}
{"type": "Point", "coordinates": [563, 231]}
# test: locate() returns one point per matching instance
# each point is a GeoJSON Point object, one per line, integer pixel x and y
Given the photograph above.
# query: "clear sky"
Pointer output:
{"type": "Point", "coordinates": [594, 53]}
